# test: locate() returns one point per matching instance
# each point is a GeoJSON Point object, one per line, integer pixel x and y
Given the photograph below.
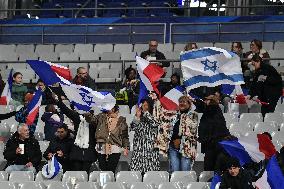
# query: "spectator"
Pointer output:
{"type": "Point", "coordinates": [182, 140]}
{"type": "Point", "coordinates": [46, 93]}
{"type": "Point", "coordinates": [18, 88]}
{"type": "Point", "coordinates": [111, 137]}
{"type": "Point", "coordinates": [60, 147]}
{"type": "Point", "coordinates": [83, 152]}
{"type": "Point", "coordinates": [22, 151]}
{"type": "Point", "coordinates": [235, 177]}
{"type": "Point", "coordinates": [146, 129]}
{"type": "Point", "coordinates": [83, 78]}
{"type": "Point", "coordinates": [2, 84]}
{"type": "Point", "coordinates": [153, 54]}
{"type": "Point", "coordinates": [190, 46]}
{"type": "Point", "coordinates": [238, 49]}
{"type": "Point", "coordinates": [266, 84]}
{"type": "Point", "coordinates": [256, 49]}
{"type": "Point", "coordinates": [175, 81]}
{"type": "Point", "coordinates": [21, 115]}
{"type": "Point", "coordinates": [52, 120]}
{"type": "Point", "coordinates": [212, 129]}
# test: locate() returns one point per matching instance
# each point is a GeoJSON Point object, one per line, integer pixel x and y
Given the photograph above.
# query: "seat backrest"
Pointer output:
{"type": "Point", "coordinates": [251, 118]}
{"type": "Point", "coordinates": [123, 48]}
{"type": "Point", "coordinates": [205, 176]}
{"type": "Point", "coordinates": [3, 174]}
{"type": "Point", "coordinates": [141, 185]}
{"type": "Point", "coordinates": [226, 46]}
{"type": "Point", "coordinates": [48, 56]}
{"type": "Point", "coordinates": [128, 56]}
{"type": "Point", "coordinates": [44, 49]}
{"type": "Point", "coordinates": [241, 127]}
{"type": "Point", "coordinates": [7, 48]}
{"type": "Point", "coordinates": [184, 176]}
{"type": "Point", "coordinates": [101, 176]}
{"type": "Point", "coordinates": [58, 185]}
{"type": "Point", "coordinates": [21, 49]}
{"type": "Point", "coordinates": [8, 185]}
{"type": "Point", "coordinates": [156, 177]}
{"type": "Point", "coordinates": [139, 48]}
{"type": "Point", "coordinates": [165, 47]}
{"type": "Point", "coordinates": [80, 176]}
{"type": "Point", "coordinates": [169, 185]}
{"type": "Point", "coordinates": [59, 48]}
{"type": "Point", "coordinates": [68, 56]}
{"type": "Point", "coordinates": [81, 48]}
{"type": "Point", "coordinates": [39, 177]}
{"type": "Point", "coordinates": [100, 48]}
{"type": "Point", "coordinates": [110, 56]}
{"type": "Point", "coordinates": [261, 127]}
{"type": "Point", "coordinates": [43, 145]}
{"type": "Point", "coordinates": [87, 185]}
{"type": "Point", "coordinates": [278, 136]}
{"type": "Point", "coordinates": [28, 56]}
{"type": "Point", "coordinates": [16, 176]}
{"type": "Point", "coordinates": [31, 185]}
{"type": "Point", "coordinates": [128, 176]}
{"type": "Point", "coordinates": [109, 73]}
{"type": "Point", "coordinates": [198, 185]}
{"type": "Point", "coordinates": [89, 56]}
{"type": "Point", "coordinates": [277, 117]}
{"type": "Point", "coordinates": [113, 185]}
{"type": "Point", "coordinates": [279, 108]}
{"type": "Point", "coordinates": [124, 109]}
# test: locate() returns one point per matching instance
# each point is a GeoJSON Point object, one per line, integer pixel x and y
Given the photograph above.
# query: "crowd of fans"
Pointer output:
{"type": "Point", "coordinates": [78, 140]}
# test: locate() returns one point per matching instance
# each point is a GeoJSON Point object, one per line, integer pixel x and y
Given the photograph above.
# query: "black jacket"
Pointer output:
{"type": "Point", "coordinates": [77, 153]}
{"type": "Point", "coordinates": [212, 128]}
{"type": "Point", "coordinates": [65, 145]}
{"type": "Point", "coordinates": [241, 181]}
{"type": "Point", "coordinates": [271, 89]}
{"type": "Point", "coordinates": [7, 115]}
{"type": "Point", "coordinates": [32, 151]}
{"type": "Point", "coordinates": [159, 56]}
{"type": "Point", "coordinates": [88, 82]}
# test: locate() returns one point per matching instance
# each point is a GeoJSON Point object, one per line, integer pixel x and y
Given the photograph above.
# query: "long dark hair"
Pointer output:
{"type": "Point", "coordinates": [150, 104]}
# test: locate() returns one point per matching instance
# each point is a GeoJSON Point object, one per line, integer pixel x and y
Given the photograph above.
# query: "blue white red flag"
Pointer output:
{"type": "Point", "coordinates": [6, 94]}
{"type": "Point", "coordinates": [51, 169]}
{"type": "Point", "coordinates": [170, 100]}
{"type": "Point", "coordinates": [33, 107]}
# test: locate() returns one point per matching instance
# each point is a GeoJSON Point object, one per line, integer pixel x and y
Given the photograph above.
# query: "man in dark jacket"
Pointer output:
{"type": "Point", "coordinates": [235, 177]}
{"type": "Point", "coordinates": [60, 147]}
{"type": "Point", "coordinates": [22, 151]}
{"type": "Point", "coordinates": [84, 79]}
{"type": "Point", "coordinates": [153, 54]}
{"type": "Point", "coordinates": [266, 85]}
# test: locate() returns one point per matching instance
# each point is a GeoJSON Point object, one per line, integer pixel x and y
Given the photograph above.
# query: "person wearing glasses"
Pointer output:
{"type": "Point", "coordinates": [83, 78]}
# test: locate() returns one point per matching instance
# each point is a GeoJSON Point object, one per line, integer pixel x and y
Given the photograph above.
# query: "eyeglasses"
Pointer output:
{"type": "Point", "coordinates": [252, 44]}
{"type": "Point", "coordinates": [83, 73]}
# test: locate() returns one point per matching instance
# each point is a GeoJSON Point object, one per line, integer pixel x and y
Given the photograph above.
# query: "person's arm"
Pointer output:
{"type": "Point", "coordinates": [73, 115]}
{"type": "Point", "coordinates": [191, 130]}
{"type": "Point", "coordinates": [7, 115]}
{"type": "Point", "coordinates": [124, 134]}
{"type": "Point", "coordinates": [47, 151]}
{"type": "Point", "coordinates": [21, 115]}
{"type": "Point", "coordinates": [10, 151]}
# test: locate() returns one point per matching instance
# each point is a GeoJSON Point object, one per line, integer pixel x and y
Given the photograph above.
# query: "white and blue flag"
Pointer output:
{"type": "Point", "coordinates": [51, 169]}
{"type": "Point", "coordinates": [210, 66]}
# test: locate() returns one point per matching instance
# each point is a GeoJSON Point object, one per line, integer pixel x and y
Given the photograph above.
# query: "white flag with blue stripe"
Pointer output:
{"type": "Point", "coordinates": [51, 169]}
{"type": "Point", "coordinates": [210, 66]}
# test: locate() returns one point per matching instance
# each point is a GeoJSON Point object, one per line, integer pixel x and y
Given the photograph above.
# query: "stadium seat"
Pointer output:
{"type": "Point", "coordinates": [80, 176]}
{"type": "Point", "coordinates": [183, 177]}
{"type": "Point", "coordinates": [28, 56]}
{"type": "Point", "coordinates": [58, 185]}
{"type": "Point", "coordinates": [89, 56]}
{"type": "Point", "coordinates": [25, 49]}
{"type": "Point", "coordinates": [99, 66]}
{"type": "Point", "coordinates": [8, 185]}
{"type": "Point", "coordinates": [65, 56]}
{"type": "Point", "coordinates": [279, 108]}
{"type": "Point", "coordinates": [198, 185]}
{"type": "Point", "coordinates": [83, 48]}
{"type": "Point", "coordinates": [128, 56]}
{"type": "Point", "coordinates": [141, 185]}
{"type": "Point", "coordinates": [124, 109]}
{"type": "Point", "coordinates": [128, 176]}
{"type": "Point", "coordinates": [87, 185]}
{"type": "Point", "coordinates": [113, 185]}
{"type": "Point", "coordinates": [230, 118]}
{"type": "Point", "coordinates": [255, 108]}
{"type": "Point", "coordinates": [250, 134]}
{"type": "Point", "coordinates": [226, 46]}
{"type": "Point", "coordinates": [276, 117]}
{"type": "Point", "coordinates": [60, 48]}
{"type": "Point", "coordinates": [44, 49]}
{"type": "Point", "coordinates": [267, 45]}
{"type": "Point", "coordinates": [169, 185]}
{"type": "Point", "coordinates": [116, 65]}
{"type": "Point", "coordinates": [101, 176]}
{"type": "Point", "coordinates": [7, 48]}
{"type": "Point", "coordinates": [31, 185]}
{"type": "Point", "coordinates": [43, 145]}
{"type": "Point", "coordinates": [9, 56]}
{"type": "Point", "coordinates": [123, 48]}
{"type": "Point", "coordinates": [19, 176]}
{"type": "Point", "coordinates": [241, 127]}
{"type": "Point", "coordinates": [156, 177]}
{"type": "Point", "coordinates": [110, 56]}
{"type": "Point", "coordinates": [251, 118]}
{"type": "Point", "coordinates": [40, 178]}
{"type": "Point", "coordinates": [205, 176]}
{"type": "Point", "coordinates": [199, 157]}
{"type": "Point", "coordinates": [139, 48]}
{"type": "Point", "coordinates": [108, 75]}
{"type": "Point", "coordinates": [236, 133]}
{"type": "Point", "coordinates": [48, 56]}
{"type": "Point", "coordinates": [261, 127]}
{"type": "Point", "coordinates": [3, 174]}
{"type": "Point", "coordinates": [165, 47]}
{"type": "Point", "coordinates": [101, 48]}
{"type": "Point", "coordinates": [178, 47]}
{"type": "Point", "coordinates": [278, 136]}
{"type": "Point", "coordinates": [279, 45]}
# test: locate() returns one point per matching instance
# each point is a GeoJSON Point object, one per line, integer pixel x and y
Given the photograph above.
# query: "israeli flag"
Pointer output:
{"type": "Point", "coordinates": [84, 98]}
{"type": "Point", "coordinates": [51, 169]}
{"type": "Point", "coordinates": [210, 66]}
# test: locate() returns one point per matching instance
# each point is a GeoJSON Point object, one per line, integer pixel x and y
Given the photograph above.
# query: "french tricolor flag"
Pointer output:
{"type": "Point", "coordinates": [33, 107]}
{"type": "Point", "coordinates": [6, 94]}
{"type": "Point", "coordinates": [272, 177]}
{"type": "Point", "coordinates": [47, 71]}
{"type": "Point", "coordinates": [149, 74]}
{"type": "Point", "coordinates": [250, 149]}
{"type": "Point", "coordinates": [170, 100]}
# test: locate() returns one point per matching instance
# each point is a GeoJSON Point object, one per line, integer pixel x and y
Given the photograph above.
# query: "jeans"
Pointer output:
{"type": "Point", "coordinates": [11, 168]}
{"type": "Point", "coordinates": [177, 161]}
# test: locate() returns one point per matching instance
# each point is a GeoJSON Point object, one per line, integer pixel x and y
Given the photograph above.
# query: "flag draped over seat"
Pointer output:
{"type": "Point", "coordinates": [210, 66]}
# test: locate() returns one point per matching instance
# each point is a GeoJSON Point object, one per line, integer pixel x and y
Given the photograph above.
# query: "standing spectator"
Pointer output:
{"type": "Point", "coordinates": [83, 152]}
{"type": "Point", "coordinates": [212, 129]}
{"type": "Point", "coordinates": [22, 151]}
{"type": "Point", "coordinates": [153, 54]}
{"type": "Point", "coordinates": [237, 48]}
{"type": "Point", "coordinates": [46, 93]}
{"type": "Point", "coordinates": [83, 78]}
{"type": "Point", "coordinates": [18, 88]}
{"type": "Point", "coordinates": [21, 115]}
{"type": "Point", "coordinates": [60, 147]}
{"type": "Point", "coordinates": [190, 46]}
{"type": "Point", "coordinates": [266, 84]}
{"type": "Point", "coordinates": [53, 120]}
{"type": "Point", "coordinates": [111, 137]}
{"type": "Point", "coordinates": [183, 137]}
{"type": "Point", "coordinates": [235, 177]}
{"type": "Point", "coordinates": [145, 156]}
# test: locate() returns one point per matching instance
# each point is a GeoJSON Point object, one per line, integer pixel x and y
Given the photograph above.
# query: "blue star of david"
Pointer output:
{"type": "Point", "coordinates": [87, 99]}
{"type": "Point", "coordinates": [209, 65]}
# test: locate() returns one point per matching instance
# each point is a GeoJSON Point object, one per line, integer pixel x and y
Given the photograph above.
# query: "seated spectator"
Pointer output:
{"type": "Point", "coordinates": [256, 48]}
{"type": "Point", "coordinates": [238, 49]}
{"type": "Point", "coordinates": [153, 54]}
{"type": "Point", "coordinates": [21, 115]}
{"type": "Point", "coordinates": [46, 93]}
{"type": "Point", "coordinates": [84, 79]}
{"type": "Point", "coordinates": [235, 177]}
{"type": "Point", "coordinates": [60, 147]}
{"type": "Point", "coordinates": [52, 120]}
{"type": "Point", "coordinates": [22, 151]}
{"type": "Point", "coordinates": [190, 46]}
{"type": "Point", "coordinates": [18, 89]}
{"type": "Point", "coordinates": [166, 87]}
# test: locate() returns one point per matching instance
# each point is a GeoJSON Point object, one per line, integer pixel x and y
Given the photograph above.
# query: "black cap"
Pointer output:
{"type": "Point", "coordinates": [233, 162]}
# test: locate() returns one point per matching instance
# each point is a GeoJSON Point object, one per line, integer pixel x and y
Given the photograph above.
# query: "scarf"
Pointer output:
{"type": "Point", "coordinates": [82, 137]}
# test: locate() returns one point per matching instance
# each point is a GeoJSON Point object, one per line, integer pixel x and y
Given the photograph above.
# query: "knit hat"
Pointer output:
{"type": "Point", "coordinates": [233, 162]}
{"type": "Point", "coordinates": [29, 97]}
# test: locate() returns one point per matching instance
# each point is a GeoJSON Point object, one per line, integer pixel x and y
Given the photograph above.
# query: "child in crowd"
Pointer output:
{"type": "Point", "coordinates": [18, 89]}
